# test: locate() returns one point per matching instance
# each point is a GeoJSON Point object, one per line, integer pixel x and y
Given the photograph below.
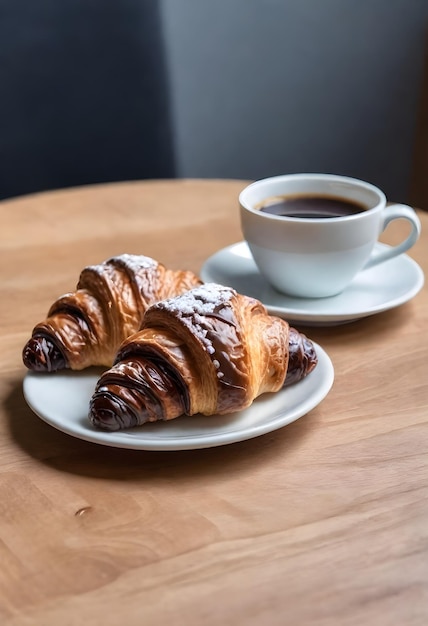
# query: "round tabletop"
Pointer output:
{"type": "Point", "coordinates": [323, 521]}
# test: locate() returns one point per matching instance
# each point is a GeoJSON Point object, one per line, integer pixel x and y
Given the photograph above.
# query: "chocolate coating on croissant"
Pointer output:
{"type": "Point", "coordinates": [41, 354]}
{"type": "Point", "coordinates": [302, 357]}
{"type": "Point", "coordinates": [118, 401]}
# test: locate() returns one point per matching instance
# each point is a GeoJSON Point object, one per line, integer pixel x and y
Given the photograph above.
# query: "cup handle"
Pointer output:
{"type": "Point", "coordinates": [394, 212]}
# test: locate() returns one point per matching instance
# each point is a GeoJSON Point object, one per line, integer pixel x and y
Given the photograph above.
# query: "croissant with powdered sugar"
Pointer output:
{"type": "Point", "coordinates": [209, 351]}
{"type": "Point", "coordinates": [86, 327]}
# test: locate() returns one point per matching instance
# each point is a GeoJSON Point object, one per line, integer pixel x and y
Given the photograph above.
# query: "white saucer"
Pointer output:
{"type": "Point", "coordinates": [62, 400]}
{"type": "Point", "coordinates": [374, 290]}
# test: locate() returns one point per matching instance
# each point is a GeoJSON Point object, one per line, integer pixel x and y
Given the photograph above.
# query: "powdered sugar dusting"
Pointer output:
{"type": "Point", "coordinates": [199, 301]}
{"type": "Point", "coordinates": [134, 262]}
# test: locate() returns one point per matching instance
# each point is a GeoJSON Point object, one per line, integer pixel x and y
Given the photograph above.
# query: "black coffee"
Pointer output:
{"type": "Point", "coordinates": [310, 206]}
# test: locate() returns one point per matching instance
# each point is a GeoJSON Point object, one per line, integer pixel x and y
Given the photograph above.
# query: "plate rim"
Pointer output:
{"type": "Point", "coordinates": [300, 315]}
{"type": "Point", "coordinates": [127, 440]}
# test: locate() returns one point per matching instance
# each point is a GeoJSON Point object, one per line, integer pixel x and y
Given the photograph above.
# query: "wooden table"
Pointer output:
{"type": "Point", "coordinates": [324, 522]}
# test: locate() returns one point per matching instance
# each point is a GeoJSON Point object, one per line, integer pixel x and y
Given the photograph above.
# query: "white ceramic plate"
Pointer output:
{"type": "Point", "coordinates": [374, 290]}
{"type": "Point", "coordinates": [61, 400]}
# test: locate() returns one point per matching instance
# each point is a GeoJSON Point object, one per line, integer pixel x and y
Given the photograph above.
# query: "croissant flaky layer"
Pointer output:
{"type": "Point", "coordinates": [87, 326]}
{"type": "Point", "coordinates": [209, 351]}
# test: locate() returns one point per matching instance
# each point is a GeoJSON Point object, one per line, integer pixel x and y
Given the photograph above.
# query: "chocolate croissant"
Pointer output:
{"type": "Point", "coordinates": [86, 327]}
{"type": "Point", "coordinates": [210, 351]}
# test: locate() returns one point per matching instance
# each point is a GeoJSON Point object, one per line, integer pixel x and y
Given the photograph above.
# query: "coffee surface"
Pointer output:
{"type": "Point", "coordinates": [310, 206]}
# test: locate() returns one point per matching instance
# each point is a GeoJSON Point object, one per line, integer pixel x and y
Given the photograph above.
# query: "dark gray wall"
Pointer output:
{"type": "Point", "coordinates": [83, 94]}
{"type": "Point", "coordinates": [262, 87]}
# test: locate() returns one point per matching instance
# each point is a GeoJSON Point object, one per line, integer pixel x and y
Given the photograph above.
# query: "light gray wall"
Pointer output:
{"type": "Point", "coordinates": [262, 87]}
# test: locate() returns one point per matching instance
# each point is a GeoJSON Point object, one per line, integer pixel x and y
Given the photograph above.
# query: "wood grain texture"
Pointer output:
{"type": "Point", "coordinates": [322, 523]}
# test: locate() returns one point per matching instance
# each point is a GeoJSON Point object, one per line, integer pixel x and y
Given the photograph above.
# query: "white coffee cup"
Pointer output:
{"type": "Point", "coordinates": [317, 257]}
